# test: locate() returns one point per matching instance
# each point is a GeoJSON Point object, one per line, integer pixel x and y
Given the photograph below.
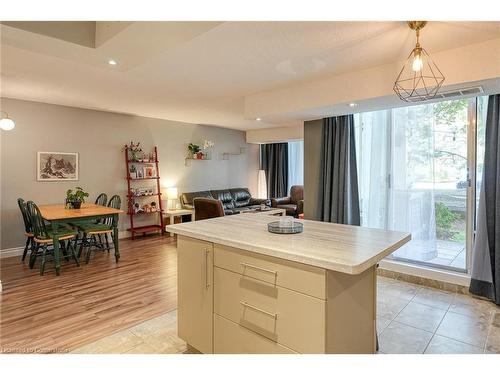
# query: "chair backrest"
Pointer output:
{"type": "Point", "coordinates": [36, 220]}
{"type": "Point", "coordinates": [24, 212]}
{"type": "Point", "coordinates": [101, 199]}
{"type": "Point", "coordinates": [296, 193]}
{"type": "Point", "coordinates": [114, 202]}
{"type": "Point", "coordinates": [207, 208]}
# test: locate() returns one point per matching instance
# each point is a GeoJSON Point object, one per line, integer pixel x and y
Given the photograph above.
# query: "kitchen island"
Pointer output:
{"type": "Point", "coordinates": [242, 289]}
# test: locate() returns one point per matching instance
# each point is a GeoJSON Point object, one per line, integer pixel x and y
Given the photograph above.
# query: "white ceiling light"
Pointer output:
{"type": "Point", "coordinates": [258, 119]}
{"type": "Point", "coordinates": [112, 62]}
{"type": "Point", "coordinates": [6, 123]}
{"type": "Point", "coordinates": [353, 105]}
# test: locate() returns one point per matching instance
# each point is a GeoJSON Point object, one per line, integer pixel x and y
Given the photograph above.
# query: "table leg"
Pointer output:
{"type": "Point", "coordinates": [171, 219]}
{"type": "Point", "coordinates": [115, 237]}
{"type": "Point", "coordinates": [55, 242]}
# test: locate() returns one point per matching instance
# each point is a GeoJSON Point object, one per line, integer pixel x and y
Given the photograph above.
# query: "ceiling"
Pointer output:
{"type": "Point", "coordinates": [200, 72]}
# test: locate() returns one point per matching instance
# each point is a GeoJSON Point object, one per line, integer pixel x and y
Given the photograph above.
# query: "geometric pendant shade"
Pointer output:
{"type": "Point", "coordinates": [420, 79]}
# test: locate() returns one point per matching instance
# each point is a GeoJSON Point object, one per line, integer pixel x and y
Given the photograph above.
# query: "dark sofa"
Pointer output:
{"type": "Point", "coordinates": [233, 200]}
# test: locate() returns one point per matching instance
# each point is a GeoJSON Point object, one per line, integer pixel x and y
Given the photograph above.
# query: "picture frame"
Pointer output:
{"type": "Point", "coordinates": [149, 172]}
{"type": "Point", "coordinates": [56, 166]}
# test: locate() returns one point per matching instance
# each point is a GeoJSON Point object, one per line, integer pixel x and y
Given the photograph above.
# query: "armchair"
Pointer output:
{"type": "Point", "coordinates": [294, 204]}
{"type": "Point", "coordinates": [207, 208]}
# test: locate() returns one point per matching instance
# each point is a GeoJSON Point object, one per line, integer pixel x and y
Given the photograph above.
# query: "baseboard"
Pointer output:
{"type": "Point", "coordinates": [440, 279]}
{"type": "Point", "coordinates": [18, 251]}
{"type": "Point", "coordinates": [12, 252]}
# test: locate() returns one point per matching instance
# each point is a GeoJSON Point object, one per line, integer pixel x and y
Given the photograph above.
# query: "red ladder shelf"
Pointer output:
{"type": "Point", "coordinates": [131, 197]}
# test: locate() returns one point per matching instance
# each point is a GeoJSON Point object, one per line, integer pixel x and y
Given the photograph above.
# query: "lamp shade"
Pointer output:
{"type": "Point", "coordinates": [261, 185]}
{"type": "Point", "coordinates": [172, 193]}
{"type": "Point", "coordinates": [7, 124]}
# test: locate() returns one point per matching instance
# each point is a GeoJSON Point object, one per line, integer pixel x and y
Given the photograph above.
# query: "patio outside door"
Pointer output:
{"type": "Point", "coordinates": [417, 168]}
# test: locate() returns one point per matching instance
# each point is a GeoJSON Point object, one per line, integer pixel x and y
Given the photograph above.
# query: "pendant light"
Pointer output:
{"type": "Point", "coordinates": [7, 123]}
{"type": "Point", "coordinates": [420, 79]}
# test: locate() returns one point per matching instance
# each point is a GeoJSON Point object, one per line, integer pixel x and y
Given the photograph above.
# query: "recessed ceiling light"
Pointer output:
{"type": "Point", "coordinates": [112, 62]}
{"type": "Point", "coordinates": [353, 105]}
{"type": "Point", "coordinates": [258, 119]}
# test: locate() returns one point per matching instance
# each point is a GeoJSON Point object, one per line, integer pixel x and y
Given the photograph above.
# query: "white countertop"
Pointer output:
{"type": "Point", "coordinates": [343, 248]}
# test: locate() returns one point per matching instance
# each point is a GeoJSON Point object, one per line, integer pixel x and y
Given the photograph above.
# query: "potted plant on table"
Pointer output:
{"type": "Point", "coordinates": [76, 198]}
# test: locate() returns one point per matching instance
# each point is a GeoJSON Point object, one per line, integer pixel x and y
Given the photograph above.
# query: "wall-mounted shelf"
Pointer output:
{"type": "Point", "coordinates": [226, 155]}
{"type": "Point", "coordinates": [187, 161]}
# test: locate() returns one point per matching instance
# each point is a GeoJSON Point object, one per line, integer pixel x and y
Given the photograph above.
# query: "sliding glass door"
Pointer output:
{"type": "Point", "coordinates": [416, 168]}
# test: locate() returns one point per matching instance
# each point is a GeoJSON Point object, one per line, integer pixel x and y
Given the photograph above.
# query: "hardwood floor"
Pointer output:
{"type": "Point", "coordinates": [47, 314]}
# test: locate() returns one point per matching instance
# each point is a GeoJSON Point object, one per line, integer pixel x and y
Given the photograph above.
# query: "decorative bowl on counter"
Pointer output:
{"type": "Point", "coordinates": [280, 228]}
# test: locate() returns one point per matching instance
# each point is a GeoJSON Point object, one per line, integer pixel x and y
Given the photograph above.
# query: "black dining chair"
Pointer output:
{"type": "Point", "coordinates": [42, 239]}
{"type": "Point", "coordinates": [28, 231]}
{"type": "Point", "coordinates": [92, 233]}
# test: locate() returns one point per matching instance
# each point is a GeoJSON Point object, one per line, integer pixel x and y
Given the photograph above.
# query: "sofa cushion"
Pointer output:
{"type": "Point", "coordinates": [241, 209]}
{"type": "Point", "coordinates": [186, 199]}
{"type": "Point", "coordinates": [241, 197]}
{"type": "Point", "coordinates": [225, 197]}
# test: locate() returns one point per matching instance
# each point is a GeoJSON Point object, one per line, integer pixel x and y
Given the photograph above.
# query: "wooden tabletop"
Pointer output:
{"type": "Point", "coordinates": [343, 248]}
{"type": "Point", "coordinates": [59, 212]}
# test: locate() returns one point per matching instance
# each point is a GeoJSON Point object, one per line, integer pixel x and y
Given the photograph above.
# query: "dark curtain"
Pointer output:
{"type": "Point", "coordinates": [339, 199]}
{"type": "Point", "coordinates": [274, 160]}
{"type": "Point", "coordinates": [485, 278]}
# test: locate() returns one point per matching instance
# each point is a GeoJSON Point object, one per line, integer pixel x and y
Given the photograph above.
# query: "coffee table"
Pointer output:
{"type": "Point", "coordinates": [171, 214]}
{"type": "Point", "coordinates": [270, 212]}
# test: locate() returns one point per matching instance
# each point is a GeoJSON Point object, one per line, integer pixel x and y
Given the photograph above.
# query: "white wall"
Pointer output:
{"type": "Point", "coordinates": [99, 138]}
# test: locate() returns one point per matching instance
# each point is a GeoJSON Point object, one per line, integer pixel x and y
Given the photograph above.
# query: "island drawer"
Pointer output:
{"type": "Point", "coordinates": [231, 338]}
{"type": "Point", "coordinates": [282, 315]}
{"type": "Point", "coordinates": [300, 277]}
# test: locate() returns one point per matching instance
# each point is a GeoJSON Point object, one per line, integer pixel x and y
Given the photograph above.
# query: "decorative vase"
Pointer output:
{"type": "Point", "coordinates": [73, 204]}
{"type": "Point", "coordinates": [76, 204]}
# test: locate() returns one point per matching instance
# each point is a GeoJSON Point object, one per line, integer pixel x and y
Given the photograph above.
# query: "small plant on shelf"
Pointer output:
{"type": "Point", "coordinates": [135, 151]}
{"type": "Point", "coordinates": [195, 151]}
{"type": "Point", "coordinates": [76, 198]}
{"type": "Point", "coordinates": [133, 171]}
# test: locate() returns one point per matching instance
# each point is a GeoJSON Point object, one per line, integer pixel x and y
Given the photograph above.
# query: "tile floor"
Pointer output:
{"type": "Point", "coordinates": [449, 253]}
{"type": "Point", "coordinates": [416, 319]}
{"type": "Point", "coordinates": [411, 319]}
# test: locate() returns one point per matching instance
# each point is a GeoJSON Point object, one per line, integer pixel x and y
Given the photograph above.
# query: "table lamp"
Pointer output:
{"type": "Point", "coordinates": [172, 196]}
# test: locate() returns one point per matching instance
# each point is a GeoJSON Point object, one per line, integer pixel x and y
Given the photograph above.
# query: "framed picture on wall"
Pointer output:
{"type": "Point", "coordinates": [57, 166]}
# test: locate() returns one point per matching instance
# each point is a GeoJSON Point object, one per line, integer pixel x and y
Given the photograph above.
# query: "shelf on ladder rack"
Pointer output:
{"type": "Point", "coordinates": [146, 228]}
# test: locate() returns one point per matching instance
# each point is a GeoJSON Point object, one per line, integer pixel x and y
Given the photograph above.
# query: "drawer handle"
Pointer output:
{"type": "Point", "coordinates": [207, 284]}
{"type": "Point", "coordinates": [273, 315]}
{"type": "Point", "coordinates": [275, 273]}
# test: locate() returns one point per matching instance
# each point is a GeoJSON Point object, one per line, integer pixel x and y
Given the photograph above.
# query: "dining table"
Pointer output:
{"type": "Point", "coordinates": [58, 214]}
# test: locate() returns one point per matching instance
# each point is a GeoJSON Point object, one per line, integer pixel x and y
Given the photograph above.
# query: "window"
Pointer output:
{"type": "Point", "coordinates": [295, 163]}
{"type": "Point", "coordinates": [413, 165]}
